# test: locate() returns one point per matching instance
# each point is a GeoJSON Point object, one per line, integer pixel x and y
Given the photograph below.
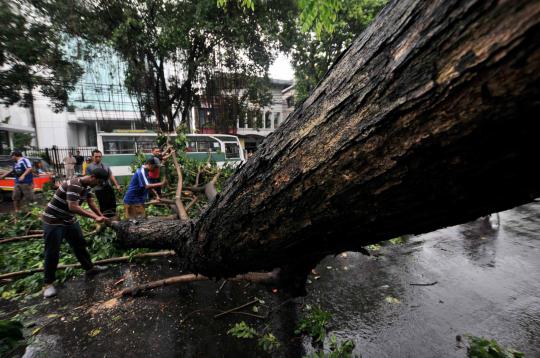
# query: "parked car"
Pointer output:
{"type": "Point", "coordinates": [8, 183]}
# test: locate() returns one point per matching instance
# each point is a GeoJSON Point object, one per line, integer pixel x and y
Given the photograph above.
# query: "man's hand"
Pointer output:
{"type": "Point", "coordinates": [101, 219]}
{"type": "Point", "coordinates": [119, 188]}
{"type": "Point", "coordinates": [21, 178]}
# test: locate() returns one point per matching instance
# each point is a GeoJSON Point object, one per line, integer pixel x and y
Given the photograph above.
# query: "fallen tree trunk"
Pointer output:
{"type": "Point", "coordinates": [427, 120]}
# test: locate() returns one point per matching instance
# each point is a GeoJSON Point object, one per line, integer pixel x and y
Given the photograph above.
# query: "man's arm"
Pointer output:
{"type": "Point", "coordinates": [6, 174]}
{"type": "Point", "coordinates": [166, 156]}
{"type": "Point", "coordinates": [93, 206]}
{"type": "Point", "coordinates": [154, 185]}
{"type": "Point", "coordinates": [116, 185]}
{"type": "Point", "coordinates": [28, 170]}
{"type": "Point", "coordinates": [75, 208]}
{"type": "Point", "coordinates": [144, 181]}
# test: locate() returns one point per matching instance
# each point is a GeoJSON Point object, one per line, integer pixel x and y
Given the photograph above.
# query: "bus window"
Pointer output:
{"type": "Point", "coordinates": [232, 151]}
{"type": "Point", "coordinates": [118, 145]}
{"type": "Point", "coordinates": [203, 144]}
{"type": "Point", "coordinates": [191, 146]}
{"type": "Point", "coordinates": [145, 144]}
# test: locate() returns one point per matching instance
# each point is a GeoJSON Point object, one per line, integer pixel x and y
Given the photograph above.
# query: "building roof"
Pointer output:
{"type": "Point", "coordinates": [15, 128]}
{"type": "Point", "coordinates": [284, 83]}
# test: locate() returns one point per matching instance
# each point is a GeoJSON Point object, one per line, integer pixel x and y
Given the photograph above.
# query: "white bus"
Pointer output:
{"type": "Point", "coordinates": [119, 148]}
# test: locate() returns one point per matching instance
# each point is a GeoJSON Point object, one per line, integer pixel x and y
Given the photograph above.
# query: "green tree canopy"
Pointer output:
{"type": "Point", "coordinates": [31, 55]}
{"type": "Point", "coordinates": [325, 28]}
{"type": "Point", "coordinates": [172, 48]}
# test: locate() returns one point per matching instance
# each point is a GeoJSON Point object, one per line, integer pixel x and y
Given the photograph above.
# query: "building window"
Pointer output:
{"type": "Point", "coordinates": [277, 120]}
{"type": "Point", "coordinates": [242, 121]}
{"type": "Point", "coordinates": [259, 123]}
{"type": "Point", "coordinates": [251, 147]}
{"type": "Point", "coordinates": [4, 142]}
{"type": "Point", "coordinates": [267, 120]}
{"type": "Point", "coordinates": [250, 120]}
{"type": "Point", "coordinates": [207, 118]}
{"type": "Point", "coordinates": [290, 101]}
{"type": "Point", "coordinates": [109, 126]}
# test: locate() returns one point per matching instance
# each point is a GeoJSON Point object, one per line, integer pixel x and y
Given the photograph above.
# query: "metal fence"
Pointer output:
{"type": "Point", "coordinates": [55, 156]}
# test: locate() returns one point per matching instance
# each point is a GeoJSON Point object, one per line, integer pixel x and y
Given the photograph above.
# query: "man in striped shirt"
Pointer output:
{"type": "Point", "coordinates": [59, 222]}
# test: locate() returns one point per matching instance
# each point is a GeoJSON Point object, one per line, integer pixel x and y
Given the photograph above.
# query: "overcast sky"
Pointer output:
{"type": "Point", "coordinates": [281, 69]}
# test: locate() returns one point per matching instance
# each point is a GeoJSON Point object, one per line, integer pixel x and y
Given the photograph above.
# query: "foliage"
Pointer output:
{"type": "Point", "coordinates": [31, 56]}
{"type": "Point", "coordinates": [398, 240]}
{"type": "Point", "coordinates": [314, 324]}
{"type": "Point", "coordinates": [480, 347]}
{"type": "Point", "coordinates": [22, 140]}
{"type": "Point", "coordinates": [267, 341]}
{"type": "Point", "coordinates": [10, 336]}
{"type": "Point", "coordinates": [342, 349]}
{"type": "Point", "coordinates": [374, 247]}
{"type": "Point", "coordinates": [140, 159]}
{"type": "Point", "coordinates": [319, 15]}
{"type": "Point", "coordinates": [172, 48]}
{"type": "Point", "coordinates": [247, 4]}
{"type": "Point", "coordinates": [191, 168]}
{"type": "Point", "coordinates": [158, 210]}
{"type": "Point", "coordinates": [324, 30]}
{"type": "Point", "coordinates": [242, 330]}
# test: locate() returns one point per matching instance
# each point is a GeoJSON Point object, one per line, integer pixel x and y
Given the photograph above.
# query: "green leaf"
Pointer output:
{"type": "Point", "coordinates": [392, 300]}
{"type": "Point", "coordinates": [242, 330]}
{"type": "Point", "coordinates": [94, 332]}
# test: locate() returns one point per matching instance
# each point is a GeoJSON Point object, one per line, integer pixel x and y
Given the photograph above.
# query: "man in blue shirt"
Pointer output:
{"type": "Point", "coordinates": [24, 180]}
{"type": "Point", "coordinates": [138, 190]}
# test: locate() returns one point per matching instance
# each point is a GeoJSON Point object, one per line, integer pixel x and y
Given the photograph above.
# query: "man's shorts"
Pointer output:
{"type": "Point", "coordinates": [134, 211]}
{"type": "Point", "coordinates": [23, 192]}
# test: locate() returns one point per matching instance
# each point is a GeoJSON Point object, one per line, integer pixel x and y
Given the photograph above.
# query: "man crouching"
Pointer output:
{"type": "Point", "coordinates": [59, 222]}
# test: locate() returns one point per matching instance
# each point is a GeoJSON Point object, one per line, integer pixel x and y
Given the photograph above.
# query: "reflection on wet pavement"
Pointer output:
{"type": "Point", "coordinates": [487, 285]}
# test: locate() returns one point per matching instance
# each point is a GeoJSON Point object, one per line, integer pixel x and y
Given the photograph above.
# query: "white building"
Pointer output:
{"type": "Point", "coordinates": [98, 108]}
{"type": "Point", "coordinates": [254, 126]}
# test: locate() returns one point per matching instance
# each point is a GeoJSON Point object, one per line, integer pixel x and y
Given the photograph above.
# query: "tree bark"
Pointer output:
{"type": "Point", "coordinates": [429, 119]}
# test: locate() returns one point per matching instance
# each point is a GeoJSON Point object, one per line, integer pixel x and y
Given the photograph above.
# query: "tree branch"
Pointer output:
{"type": "Point", "coordinates": [112, 260]}
{"type": "Point", "coordinates": [182, 213]}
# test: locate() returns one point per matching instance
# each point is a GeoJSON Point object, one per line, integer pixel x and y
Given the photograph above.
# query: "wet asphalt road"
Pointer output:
{"type": "Point", "coordinates": [487, 284]}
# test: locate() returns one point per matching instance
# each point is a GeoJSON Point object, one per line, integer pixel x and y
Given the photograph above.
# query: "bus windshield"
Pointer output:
{"type": "Point", "coordinates": [232, 151]}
